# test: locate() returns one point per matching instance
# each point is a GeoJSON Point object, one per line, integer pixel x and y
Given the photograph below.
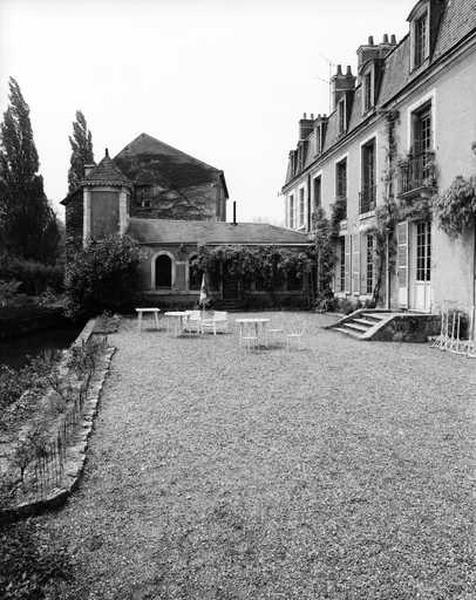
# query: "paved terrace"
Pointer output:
{"type": "Point", "coordinates": [342, 471]}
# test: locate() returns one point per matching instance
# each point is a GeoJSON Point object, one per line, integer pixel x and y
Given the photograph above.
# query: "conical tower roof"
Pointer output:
{"type": "Point", "coordinates": [106, 173]}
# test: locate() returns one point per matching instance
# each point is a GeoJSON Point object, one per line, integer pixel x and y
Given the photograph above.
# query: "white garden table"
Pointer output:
{"type": "Point", "coordinates": [179, 318]}
{"type": "Point", "coordinates": [153, 311]}
{"type": "Point", "coordinates": [257, 325]}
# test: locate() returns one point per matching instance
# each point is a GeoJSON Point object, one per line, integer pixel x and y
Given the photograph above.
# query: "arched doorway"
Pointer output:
{"type": "Point", "coordinates": [163, 271]}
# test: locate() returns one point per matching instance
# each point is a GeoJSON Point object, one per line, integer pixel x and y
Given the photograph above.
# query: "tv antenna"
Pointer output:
{"type": "Point", "coordinates": [331, 64]}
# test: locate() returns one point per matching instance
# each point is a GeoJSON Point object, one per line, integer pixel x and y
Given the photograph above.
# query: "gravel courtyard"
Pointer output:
{"type": "Point", "coordinates": [340, 471]}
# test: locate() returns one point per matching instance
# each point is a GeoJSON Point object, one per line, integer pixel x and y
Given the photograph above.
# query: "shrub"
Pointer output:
{"type": "Point", "coordinates": [103, 276]}
{"type": "Point", "coordinates": [455, 209]}
{"type": "Point", "coordinates": [34, 276]}
{"type": "Point", "coordinates": [8, 291]}
{"type": "Point", "coordinates": [30, 562]}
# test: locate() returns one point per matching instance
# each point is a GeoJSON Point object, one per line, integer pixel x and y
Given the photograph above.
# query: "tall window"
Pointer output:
{"type": "Point", "coordinates": [420, 40]}
{"type": "Point", "coordinates": [318, 140]}
{"type": "Point", "coordinates": [423, 251]}
{"type": "Point", "coordinates": [342, 264]}
{"type": "Point", "coordinates": [422, 160]}
{"type": "Point", "coordinates": [341, 185]}
{"type": "Point", "coordinates": [370, 264]}
{"type": "Point", "coordinates": [317, 193]}
{"type": "Point", "coordinates": [291, 212]}
{"type": "Point", "coordinates": [341, 179]}
{"type": "Point", "coordinates": [368, 191]}
{"type": "Point", "coordinates": [301, 208]}
{"type": "Point", "coordinates": [422, 137]}
{"type": "Point", "coordinates": [341, 115]}
{"type": "Point", "coordinates": [368, 101]}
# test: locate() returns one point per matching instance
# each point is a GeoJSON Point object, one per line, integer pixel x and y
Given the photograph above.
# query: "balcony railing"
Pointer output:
{"type": "Point", "coordinates": [367, 198]}
{"type": "Point", "coordinates": [417, 171]}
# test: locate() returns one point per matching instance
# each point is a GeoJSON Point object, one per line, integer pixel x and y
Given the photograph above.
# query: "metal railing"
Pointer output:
{"type": "Point", "coordinates": [367, 198]}
{"type": "Point", "coordinates": [417, 171]}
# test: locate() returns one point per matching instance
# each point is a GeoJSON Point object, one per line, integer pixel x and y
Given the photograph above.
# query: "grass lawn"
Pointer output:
{"type": "Point", "coordinates": [341, 471]}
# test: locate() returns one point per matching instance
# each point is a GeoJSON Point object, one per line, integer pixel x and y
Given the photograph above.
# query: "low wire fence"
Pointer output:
{"type": "Point", "coordinates": [458, 330]}
{"type": "Point", "coordinates": [40, 457]}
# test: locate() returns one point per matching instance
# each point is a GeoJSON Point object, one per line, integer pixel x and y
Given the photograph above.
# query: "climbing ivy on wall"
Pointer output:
{"type": "Point", "coordinates": [270, 265]}
{"type": "Point", "coordinates": [455, 209]}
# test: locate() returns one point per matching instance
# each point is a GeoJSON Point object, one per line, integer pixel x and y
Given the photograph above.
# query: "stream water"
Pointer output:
{"type": "Point", "coordinates": [15, 352]}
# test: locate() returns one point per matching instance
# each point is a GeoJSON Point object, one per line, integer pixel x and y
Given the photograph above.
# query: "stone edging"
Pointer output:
{"type": "Point", "coordinates": [76, 453]}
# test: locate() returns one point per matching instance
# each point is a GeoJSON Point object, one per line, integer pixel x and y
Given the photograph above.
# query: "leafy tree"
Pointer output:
{"type": "Point", "coordinates": [27, 223]}
{"type": "Point", "coordinates": [103, 276]}
{"type": "Point", "coordinates": [82, 150]}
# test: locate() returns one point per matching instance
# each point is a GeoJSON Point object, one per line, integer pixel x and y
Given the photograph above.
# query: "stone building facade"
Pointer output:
{"type": "Point", "coordinates": [402, 127]}
{"type": "Point", "coordinates": [171, 204]}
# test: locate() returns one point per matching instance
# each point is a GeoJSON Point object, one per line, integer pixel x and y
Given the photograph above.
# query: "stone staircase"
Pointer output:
{"type": "Point", "coordinates": [387, 325]}
{"type": "Point", "coordinates": [361, 326]}
{"type": "Point", "coordinates": [228, 304]}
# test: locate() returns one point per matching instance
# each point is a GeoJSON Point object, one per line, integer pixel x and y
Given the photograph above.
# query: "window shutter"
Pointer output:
{"type": "Point", "coordinates": [348, 244]}
{"type": "Point", "coordinates": [356, 263]}
{"type": "Point", "coordinates": [402, 263]}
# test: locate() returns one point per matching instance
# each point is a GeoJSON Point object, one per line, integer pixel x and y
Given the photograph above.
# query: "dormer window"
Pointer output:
{"type": "Point", "coordinates": [419, 34]}
{"type": "Point", "coordinates": [318, 140]}
{"type": "Point", "coordinates": [341, 116]}
{"type": "Point", "coordinates": [420, 40]}
{"type": "Point", "coordinates": [367, 92]}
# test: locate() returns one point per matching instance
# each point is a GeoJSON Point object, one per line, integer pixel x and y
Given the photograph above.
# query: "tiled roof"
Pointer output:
{"type": "Point", "coordinates": [147, 160]}
{"type": "Point", "coordinates": [396, 73]}
{"type": "Point", "coordinates": [106, 173]}
{"type": "Point", "coordinates": [165, 231]}
{"type": "Point", "coordinates": [459, 19]}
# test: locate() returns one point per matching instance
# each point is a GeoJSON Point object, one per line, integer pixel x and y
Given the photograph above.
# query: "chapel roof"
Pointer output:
{"type": "Point", "coordinates": [147, 160]}
{"type": "Point", "coordinates": [170, 231]}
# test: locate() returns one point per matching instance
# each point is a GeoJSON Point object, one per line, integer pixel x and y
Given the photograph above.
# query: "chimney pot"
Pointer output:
{"type": "Point", "coordinates": [349, 71]}
{"type": "Point", "coordinates": [107, 153]}
{"type": "Point", "coordinates": [385, 38]}
{"type": "Point", "coordinates": [339, 69]}
{"type": "Point", "coordinates": [393, 39]}
{"type": "Point", "coordinates": [312, 116]}
{"type": "Point", "coordinates": [371, 40]}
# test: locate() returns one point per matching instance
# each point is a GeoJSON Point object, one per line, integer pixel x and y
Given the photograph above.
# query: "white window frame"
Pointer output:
{"type": "Point", "coordinates": [301, 193]}
{"type": "Point", "coordinates": [424, 9]}
{"type": "Point", "coordinates": [370, 70]}
{"type": "Point", "coordinates": [374, 136]}
{"type": "Point", "coordinates": [336, 162]}
{"type": "Point", "coordinates": [342, 102]}
{"type": "Point", "coordinates": [413, 108]}
{"type": "Point", "coordinates": [314, 176]}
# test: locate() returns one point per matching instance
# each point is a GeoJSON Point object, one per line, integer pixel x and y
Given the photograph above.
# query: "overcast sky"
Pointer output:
{"type": "Point", "coordinates": [223, 80]}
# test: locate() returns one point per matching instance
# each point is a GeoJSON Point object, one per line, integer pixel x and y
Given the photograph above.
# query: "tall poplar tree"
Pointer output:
{"type": "Point", "coordinates": [82, 150]}
{"type": "Point", "coordinates": [28, 226]}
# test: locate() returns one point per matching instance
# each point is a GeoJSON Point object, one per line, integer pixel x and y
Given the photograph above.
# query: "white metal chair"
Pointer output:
{"type": "Point", "coordinates": [193, 322]}
{"type": "Point", "coordinates": [218, 322]}
{"type": "Point", "coordinates": [248, 337]}
{"type": "Point", "coordinates": [274, 334]}
{"type": "Point", "coordinates": [294, 335]}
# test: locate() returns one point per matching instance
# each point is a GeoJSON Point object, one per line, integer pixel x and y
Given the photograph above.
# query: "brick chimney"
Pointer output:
{"type": "Point", "coordinates": [305, 126]}
{"type": "Point", "coordinates": [372, 51]}
{"type": "Point", "coordinates": [342, 84]}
